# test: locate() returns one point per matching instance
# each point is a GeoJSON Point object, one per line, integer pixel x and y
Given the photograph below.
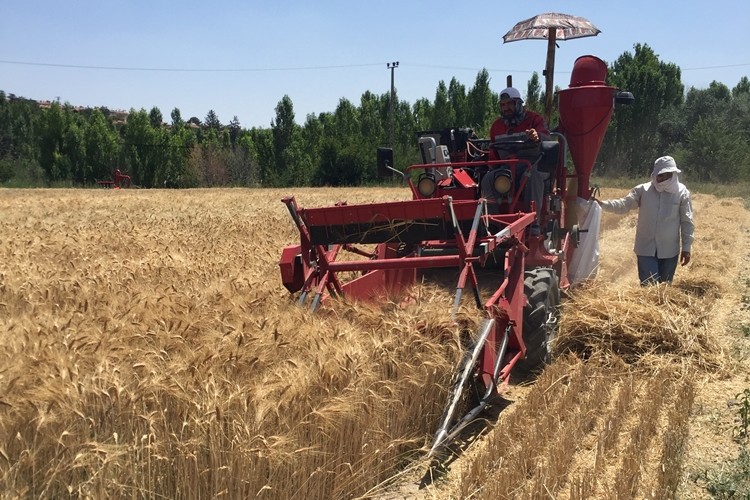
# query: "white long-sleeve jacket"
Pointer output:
{"type": "Point", "coordinates": [663, 219]}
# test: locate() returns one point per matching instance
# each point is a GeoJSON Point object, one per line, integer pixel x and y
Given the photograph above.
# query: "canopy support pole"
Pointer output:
{"type": "Point", "coordinates": [549, 73]}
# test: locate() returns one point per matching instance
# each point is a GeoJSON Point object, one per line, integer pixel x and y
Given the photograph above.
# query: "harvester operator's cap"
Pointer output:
{"type": "Point", "coordinates": [664, 165]}
{"type": "Point", "coordinates": [510, 93]}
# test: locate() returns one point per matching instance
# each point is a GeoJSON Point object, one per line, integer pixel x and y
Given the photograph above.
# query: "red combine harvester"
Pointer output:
{"type": "Point", "coordinates": [471, 214]}
{"type": "Point", "coordinates": [120, 181]}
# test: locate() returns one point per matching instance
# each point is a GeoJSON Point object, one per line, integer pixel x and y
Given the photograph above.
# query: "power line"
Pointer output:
{"type": "Point", "coordinates": [464, 68]}
{"type": "Point", "coordinates": [187, 70]}
{"type": "Point", "coordinates": [716, 67]}
{"type": "Point", "coordinates": [303, 68]}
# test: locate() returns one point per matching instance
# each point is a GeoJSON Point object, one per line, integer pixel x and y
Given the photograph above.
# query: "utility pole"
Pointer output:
{"type": "Point", "coordinates": [392, 66]}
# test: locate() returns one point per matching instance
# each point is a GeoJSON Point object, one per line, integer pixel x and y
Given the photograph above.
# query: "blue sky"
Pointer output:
{"type": "Point", "coordinates": [241, 57]}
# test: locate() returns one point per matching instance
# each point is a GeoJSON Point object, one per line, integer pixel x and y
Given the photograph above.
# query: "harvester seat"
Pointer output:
{"type": "Point", "coordinates": [550, 157]}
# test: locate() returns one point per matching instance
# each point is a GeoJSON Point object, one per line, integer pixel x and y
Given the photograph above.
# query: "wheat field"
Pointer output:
{"type": "Point", "coordinates": [148, 350]}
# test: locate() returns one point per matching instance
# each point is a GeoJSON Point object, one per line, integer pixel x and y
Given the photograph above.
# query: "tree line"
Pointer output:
{"type": "Point", "coordinates": [706, 130]}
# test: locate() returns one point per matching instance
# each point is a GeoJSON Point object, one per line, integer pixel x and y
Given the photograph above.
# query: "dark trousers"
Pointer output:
{"type": "Point", "coordinates": [655, 270]}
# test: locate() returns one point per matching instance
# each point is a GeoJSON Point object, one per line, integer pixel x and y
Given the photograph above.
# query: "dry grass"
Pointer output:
{"type": "Point", "coordinates": [614, 416]}
{"type": "Point", "coordinates": [643, 325]}
{"type": "Point", "coordinates": [148, 349]}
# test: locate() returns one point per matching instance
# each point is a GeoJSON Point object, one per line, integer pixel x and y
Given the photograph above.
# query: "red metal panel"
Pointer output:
{"type": "Point", "coordinates": [380, 283]}
{"type": "Point", "coordinates": [373, 212]}
{"type": "Point", "coordinates": [463, 178]}
{"type": "Point", "coordinates": [290, 265]}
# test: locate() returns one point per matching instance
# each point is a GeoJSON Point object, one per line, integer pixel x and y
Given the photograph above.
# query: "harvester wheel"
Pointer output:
{"type": "Point", "coordinates": [540, 318]}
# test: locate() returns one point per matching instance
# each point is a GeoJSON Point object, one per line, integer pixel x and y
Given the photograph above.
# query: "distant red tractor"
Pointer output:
{"type": "Point", "coordinates": [120, 181]}
{"type": "Point", "coordinates": [471, 214]}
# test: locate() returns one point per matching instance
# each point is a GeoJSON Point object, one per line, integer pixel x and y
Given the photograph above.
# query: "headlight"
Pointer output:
{"type": "Point", "coordinates": [426, 185]}
{"type": "Point", "coordinates": [502, 182]}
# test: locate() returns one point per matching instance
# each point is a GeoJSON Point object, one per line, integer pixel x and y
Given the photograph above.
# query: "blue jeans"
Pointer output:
{"type": "Point", "coordinates": [655, 270]}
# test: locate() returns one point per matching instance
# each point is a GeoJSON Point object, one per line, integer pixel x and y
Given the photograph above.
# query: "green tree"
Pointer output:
{"type": "Point", "coordinates": [145, 149]}
{"type": "Point", "coordinates": [347, 156]}
{"type": "Point", "coordinates": [102, 146]}
{"type": "Point", "coordinates": [738, 114]}
{"type": "Point", "coordinates": [742, 87]}
{"type": "Point", "coordinates": [284, 131]}
{"type": "Point", "coordinates": [672, 129]}
{"type": "Point", "coordinates": [155, 117]}
{"type": "Point", "coordinates": [234, 130]}
{"type": "Point", "coordinates": [422, 112]}
{"type": "Point", "coordinates": [720, 91]}
{"type": "Point", "coordinates": [209, 161]}
{"type": "Point", "coordinates": [159, 158]}
{"type": "Point", "coordinates": [20, 141]}
{"type": "Point", "coordinates": [633, 142]}
{"type": "Point", "coordinates": [313, 134]}
{"type": "Point", "coordinates": [442, 113]}
{"type": "Point", "coordinates": [177, 172]}
{"type": "Point", "coordinates": [52, 126]}
{"type": "Point", "coordinates": [459, 103]}
{"type": "Point", "coordinates": [242, 165]}
{"type": "Point", "coordinates": [405, 144]}
{"type": "Point", "coordinates": [534, 94]}
{"type": "Point", "coordinates": [715, 121]}
{"type": "Point", "coordinates": [264, 146]}
{"type": "Point", "coordinates": [73, 153]}
{"type": "Point", "coordinates": [177, 120]}
{"type": "Point", "coordinates": [483, 107]}
{"type": "Point", "coordinates": [714, 153]}
{"type": "Point", "coordinates": [19, 123]}
{"type": "Point", "coordinates": [346, 119]}
{"type": "Point", "coordinates": [699, 103]}
{"type": "Point", "coordinates": [341, 166]}
{"type": "Point", "coordinates": [6, 129]}
{"type": "Point", "coordinates": [212, 121]}
{"type": "Point", "coordinates": [372, 127]}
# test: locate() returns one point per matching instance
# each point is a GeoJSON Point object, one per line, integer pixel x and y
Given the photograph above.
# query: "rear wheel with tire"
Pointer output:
{"type": "Point", "coordinates": [540, 318]}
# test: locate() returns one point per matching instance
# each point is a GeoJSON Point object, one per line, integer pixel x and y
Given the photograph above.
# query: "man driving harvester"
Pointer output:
{"type": "Point", "coordinates": [515, 118]}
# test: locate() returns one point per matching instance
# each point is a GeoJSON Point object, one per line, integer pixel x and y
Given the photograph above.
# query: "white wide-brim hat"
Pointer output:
{"type": "Point", "coordinates": [664, 165]}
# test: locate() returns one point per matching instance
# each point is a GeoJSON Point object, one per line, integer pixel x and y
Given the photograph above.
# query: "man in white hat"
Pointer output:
{"type": "Point", "coordinates": [515, 118]}
{"type": "Point", "coordinates": [665, 222]}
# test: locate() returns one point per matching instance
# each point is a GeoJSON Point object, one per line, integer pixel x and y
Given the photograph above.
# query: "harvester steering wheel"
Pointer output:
{"type": "Point", "coordinates": [517, 145]}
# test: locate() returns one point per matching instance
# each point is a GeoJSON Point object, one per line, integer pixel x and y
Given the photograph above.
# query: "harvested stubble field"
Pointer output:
{"type": "Point", "coordinates": [147, 349]}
